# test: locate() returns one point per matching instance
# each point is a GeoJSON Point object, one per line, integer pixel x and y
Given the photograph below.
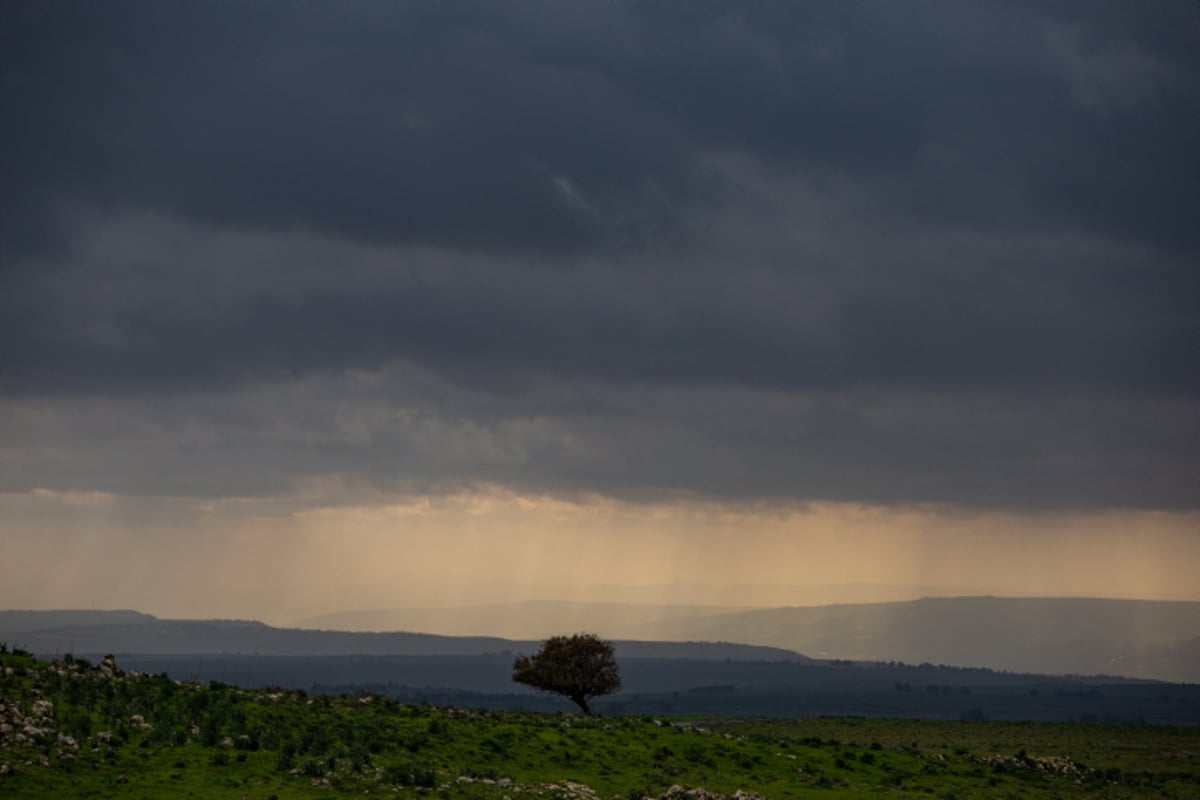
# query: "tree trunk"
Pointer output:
{"type": "Point", "coordinates": [582, 703]}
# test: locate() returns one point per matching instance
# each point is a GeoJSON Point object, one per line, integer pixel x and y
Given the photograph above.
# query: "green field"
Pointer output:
{"type": "Point", "coordinates": [70, 729]}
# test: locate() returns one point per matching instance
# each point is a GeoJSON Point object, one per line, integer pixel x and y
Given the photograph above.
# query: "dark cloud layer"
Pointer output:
{"type": "Point", "coordinates": [953, 243]}
{"type": "Point", "coordinates": [447, 123]}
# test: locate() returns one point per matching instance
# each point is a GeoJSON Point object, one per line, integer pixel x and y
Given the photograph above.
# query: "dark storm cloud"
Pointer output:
{"type": "Point", "coordinates": [406, 432]}
{"type": "Point", "coordinates": [448, 123]}
{"type": "Point", "coordinates": [839, 203]}
{"type": "Point", "coordinates": [1047, 318]}
{"type": "Point", "coordinates": [395, 121]}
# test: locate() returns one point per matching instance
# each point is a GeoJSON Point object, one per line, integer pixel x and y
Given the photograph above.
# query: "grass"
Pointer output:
{"type": "Point", "coordinates": [142, 736]}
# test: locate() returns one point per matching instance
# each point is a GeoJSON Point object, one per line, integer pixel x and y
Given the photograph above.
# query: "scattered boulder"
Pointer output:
{"type": "Point", "coordinates": [108, 665]}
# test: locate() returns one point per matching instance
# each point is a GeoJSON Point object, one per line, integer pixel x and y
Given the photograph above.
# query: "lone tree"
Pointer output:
{"type": "Point", "coordinates": [578, 667]}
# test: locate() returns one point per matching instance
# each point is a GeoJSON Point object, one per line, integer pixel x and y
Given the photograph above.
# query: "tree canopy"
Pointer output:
{"type": "Point", "coordinates": [578, 667]}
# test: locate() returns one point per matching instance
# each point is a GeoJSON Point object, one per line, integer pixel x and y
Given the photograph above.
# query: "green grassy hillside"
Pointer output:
{"type": "Point", "coordinates": [70, 729]}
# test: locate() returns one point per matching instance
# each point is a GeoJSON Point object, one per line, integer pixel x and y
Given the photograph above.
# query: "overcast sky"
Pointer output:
{"type": "Point", "coordinates": [453, 286]}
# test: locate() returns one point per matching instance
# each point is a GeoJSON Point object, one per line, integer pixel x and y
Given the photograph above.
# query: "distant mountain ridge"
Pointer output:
{"type": "Point", "coordinates": [1052, 636]}
{"type": "Point", "coordinates": [524, 619]}
{"type": "Point", "coordinates": [1135, 638]}
{"type": "Point", "coordinates": [125, 632]}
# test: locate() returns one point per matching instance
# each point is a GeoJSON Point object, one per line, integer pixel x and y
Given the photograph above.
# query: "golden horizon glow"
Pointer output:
{"type": "Point", "coordinates": [257, 559]}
